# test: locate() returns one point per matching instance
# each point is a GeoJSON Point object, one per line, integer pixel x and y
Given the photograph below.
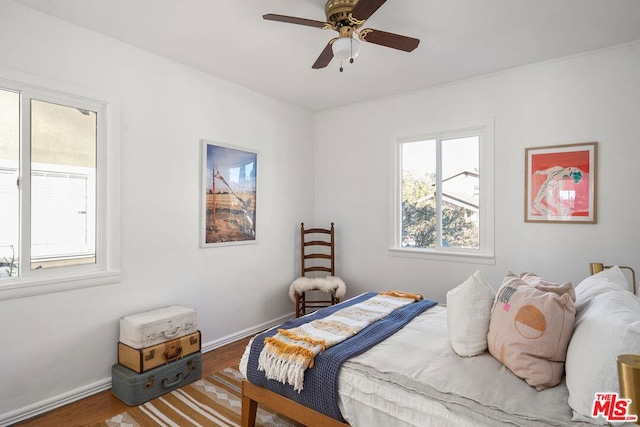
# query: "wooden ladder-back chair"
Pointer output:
{"type": "Point", "coordinates": [317, 254]}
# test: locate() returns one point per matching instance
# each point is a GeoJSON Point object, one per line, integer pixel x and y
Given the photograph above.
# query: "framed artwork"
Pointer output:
{"type": "Point", "coordinates": [228, 195]}
{"type": "Point", "coordinates": [560, 183]}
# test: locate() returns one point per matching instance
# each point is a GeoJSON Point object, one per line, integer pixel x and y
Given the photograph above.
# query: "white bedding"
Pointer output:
{"type": "Point", "coordinates": [414, 378]}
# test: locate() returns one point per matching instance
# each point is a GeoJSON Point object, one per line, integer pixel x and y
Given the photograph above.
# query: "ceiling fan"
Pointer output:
{"type": "Point", "coordinates": [346, 17]}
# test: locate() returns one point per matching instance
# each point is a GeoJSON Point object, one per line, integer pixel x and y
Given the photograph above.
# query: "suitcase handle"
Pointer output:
{"type": "Point", "coordinates": [167, 384]}
{"type": "Point", "coordinates": [174, 355]}
{"type": "Point", "coordinates": [172, 334]}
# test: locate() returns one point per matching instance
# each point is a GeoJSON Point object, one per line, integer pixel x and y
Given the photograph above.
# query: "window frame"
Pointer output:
{"type": "Point", "coordinates": [484, 129]}
{"type": "Point", "coordinates": [106, 270]}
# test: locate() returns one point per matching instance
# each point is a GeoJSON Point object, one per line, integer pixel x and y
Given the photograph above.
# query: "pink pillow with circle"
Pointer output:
{"type": "Point", "coordinates": [531, 324]}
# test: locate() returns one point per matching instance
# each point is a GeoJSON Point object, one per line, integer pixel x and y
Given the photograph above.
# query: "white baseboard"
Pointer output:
{"type": "Point", "coordinates": [212, 345]}
{"type": "Point", "coordinates": [47, 405]}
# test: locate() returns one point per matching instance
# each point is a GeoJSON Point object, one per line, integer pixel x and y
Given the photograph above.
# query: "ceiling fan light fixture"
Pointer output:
{"type": "Point", "coordinates": [345, 48]}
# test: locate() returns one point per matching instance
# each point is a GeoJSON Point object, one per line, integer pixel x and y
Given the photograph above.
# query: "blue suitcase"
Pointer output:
{"type": "Point", "coordinates": [134, 388]}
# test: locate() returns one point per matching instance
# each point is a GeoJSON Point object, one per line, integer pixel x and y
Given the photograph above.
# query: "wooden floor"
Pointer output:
{"type": "Point", "coordinates": [104, 405]}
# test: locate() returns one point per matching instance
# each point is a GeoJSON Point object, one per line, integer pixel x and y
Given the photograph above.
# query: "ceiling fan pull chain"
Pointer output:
{"type": "Point", "coordinates": [351, 58]}
{"type": "Point", "coordinates": [341, 69]}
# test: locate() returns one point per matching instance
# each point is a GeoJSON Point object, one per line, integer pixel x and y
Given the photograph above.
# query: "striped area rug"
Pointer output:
{"type": "Point", "coordinates": [212, 401]}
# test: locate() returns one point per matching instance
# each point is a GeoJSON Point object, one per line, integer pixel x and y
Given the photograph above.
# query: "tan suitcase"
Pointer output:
{"type": "Point", "coordinates": [143, 359]}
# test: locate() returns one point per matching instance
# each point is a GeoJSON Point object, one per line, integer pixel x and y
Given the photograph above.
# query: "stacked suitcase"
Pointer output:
{"type": "Point", "coordinates": [159, 351]}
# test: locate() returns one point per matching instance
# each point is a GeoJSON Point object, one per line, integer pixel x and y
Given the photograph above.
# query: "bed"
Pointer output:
{"type": "Point", "coordinates": [416, 378]}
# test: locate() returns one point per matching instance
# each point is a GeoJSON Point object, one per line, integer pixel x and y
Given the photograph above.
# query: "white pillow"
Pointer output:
{"type": "Point", "coordinates": [612, 275]}
{"type": "Point", "coordinates": [468, 315]}
{"type": "Point", "coordinates": [607, 325]}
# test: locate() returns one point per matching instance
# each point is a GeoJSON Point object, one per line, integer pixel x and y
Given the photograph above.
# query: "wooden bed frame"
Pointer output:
{"type": "Point", "coordinates": [252, 395]}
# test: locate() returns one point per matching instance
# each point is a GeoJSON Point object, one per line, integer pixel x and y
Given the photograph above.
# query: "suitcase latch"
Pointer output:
{"type": "Point", "coordinates": [150, 383]}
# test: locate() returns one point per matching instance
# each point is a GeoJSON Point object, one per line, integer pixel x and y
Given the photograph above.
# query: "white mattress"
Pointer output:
{"type": "Point", "coordinates": [414, 378]}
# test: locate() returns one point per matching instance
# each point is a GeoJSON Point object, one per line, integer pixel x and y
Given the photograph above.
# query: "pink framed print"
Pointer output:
{"type": "Point", "coordinates": [560, 183]}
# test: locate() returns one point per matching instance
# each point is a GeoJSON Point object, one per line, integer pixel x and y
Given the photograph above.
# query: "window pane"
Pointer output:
{"type": "Point", "coordinates": [63, 185]}
{"type": "Point", "coordinates": [9, 197]}
{"type": "Point", "coordinates": [419, 214]}
{"type": "Point", "coordinates": [460, 192]}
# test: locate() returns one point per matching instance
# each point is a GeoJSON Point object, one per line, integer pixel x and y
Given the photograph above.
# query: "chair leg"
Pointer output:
{"type": "Point", "coordinates": [300, 304]}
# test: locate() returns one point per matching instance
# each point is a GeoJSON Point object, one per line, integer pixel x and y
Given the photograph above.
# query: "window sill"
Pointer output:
{"type": "Point", "coordinates": [447, 256]}
{"type": "Point", "coordinates": [21, 288]}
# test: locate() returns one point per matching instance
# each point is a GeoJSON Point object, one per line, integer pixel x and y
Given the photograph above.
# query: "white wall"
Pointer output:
{"type": "Point", "coordinates": [62, 344]}
{"type": "Point", "coordinates": [594, 97]}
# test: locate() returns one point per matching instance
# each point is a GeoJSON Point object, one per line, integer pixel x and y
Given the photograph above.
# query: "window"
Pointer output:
{"type": "Point", "coordinates": [58, 222]}
{"type": "Point", "coordinates": [443, 198]}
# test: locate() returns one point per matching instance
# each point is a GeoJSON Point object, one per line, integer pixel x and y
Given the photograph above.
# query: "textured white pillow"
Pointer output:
{"type": "Point", "coordinates": [607, 325]}
{"type": "Point", "coordinates": [612, 275]}
{"type": "Point", "coordinates": [468, 315]}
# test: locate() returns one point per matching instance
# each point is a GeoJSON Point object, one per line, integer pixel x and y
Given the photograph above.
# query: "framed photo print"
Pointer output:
{"type": "Point", "coordinates": [560, 183]}
{"type": "Point", "coordinates": [228, 195]}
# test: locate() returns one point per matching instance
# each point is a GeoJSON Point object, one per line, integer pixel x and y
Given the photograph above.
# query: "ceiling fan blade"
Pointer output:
{"type": "Point", "coordinates": [294, 20]}
{"type": "Point", "coordinates": [325, 57]}
{"type": "Point", "coordinates": [365, 8]}
{"type": "Point", "coordinates": [394, 41]}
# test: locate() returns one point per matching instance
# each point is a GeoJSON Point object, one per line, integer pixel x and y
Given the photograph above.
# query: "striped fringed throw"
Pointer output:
{"type": "Point", "coordinates": [287, 355]}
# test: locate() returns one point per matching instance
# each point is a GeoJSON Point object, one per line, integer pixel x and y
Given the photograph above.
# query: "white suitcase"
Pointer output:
{"type": "Point", "coordinates": [156, 326]}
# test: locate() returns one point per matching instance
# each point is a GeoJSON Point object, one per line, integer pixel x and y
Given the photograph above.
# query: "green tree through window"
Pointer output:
{"type": "Point", "coordinates": [449, 220]}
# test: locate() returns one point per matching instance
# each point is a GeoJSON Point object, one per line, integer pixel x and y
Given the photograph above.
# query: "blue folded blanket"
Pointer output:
{"type": "Point", "coordinates": [321, 382]}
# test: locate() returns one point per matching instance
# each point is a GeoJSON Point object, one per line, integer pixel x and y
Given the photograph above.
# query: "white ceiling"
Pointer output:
{"type": "Point", "coordinates": [460, 39]}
